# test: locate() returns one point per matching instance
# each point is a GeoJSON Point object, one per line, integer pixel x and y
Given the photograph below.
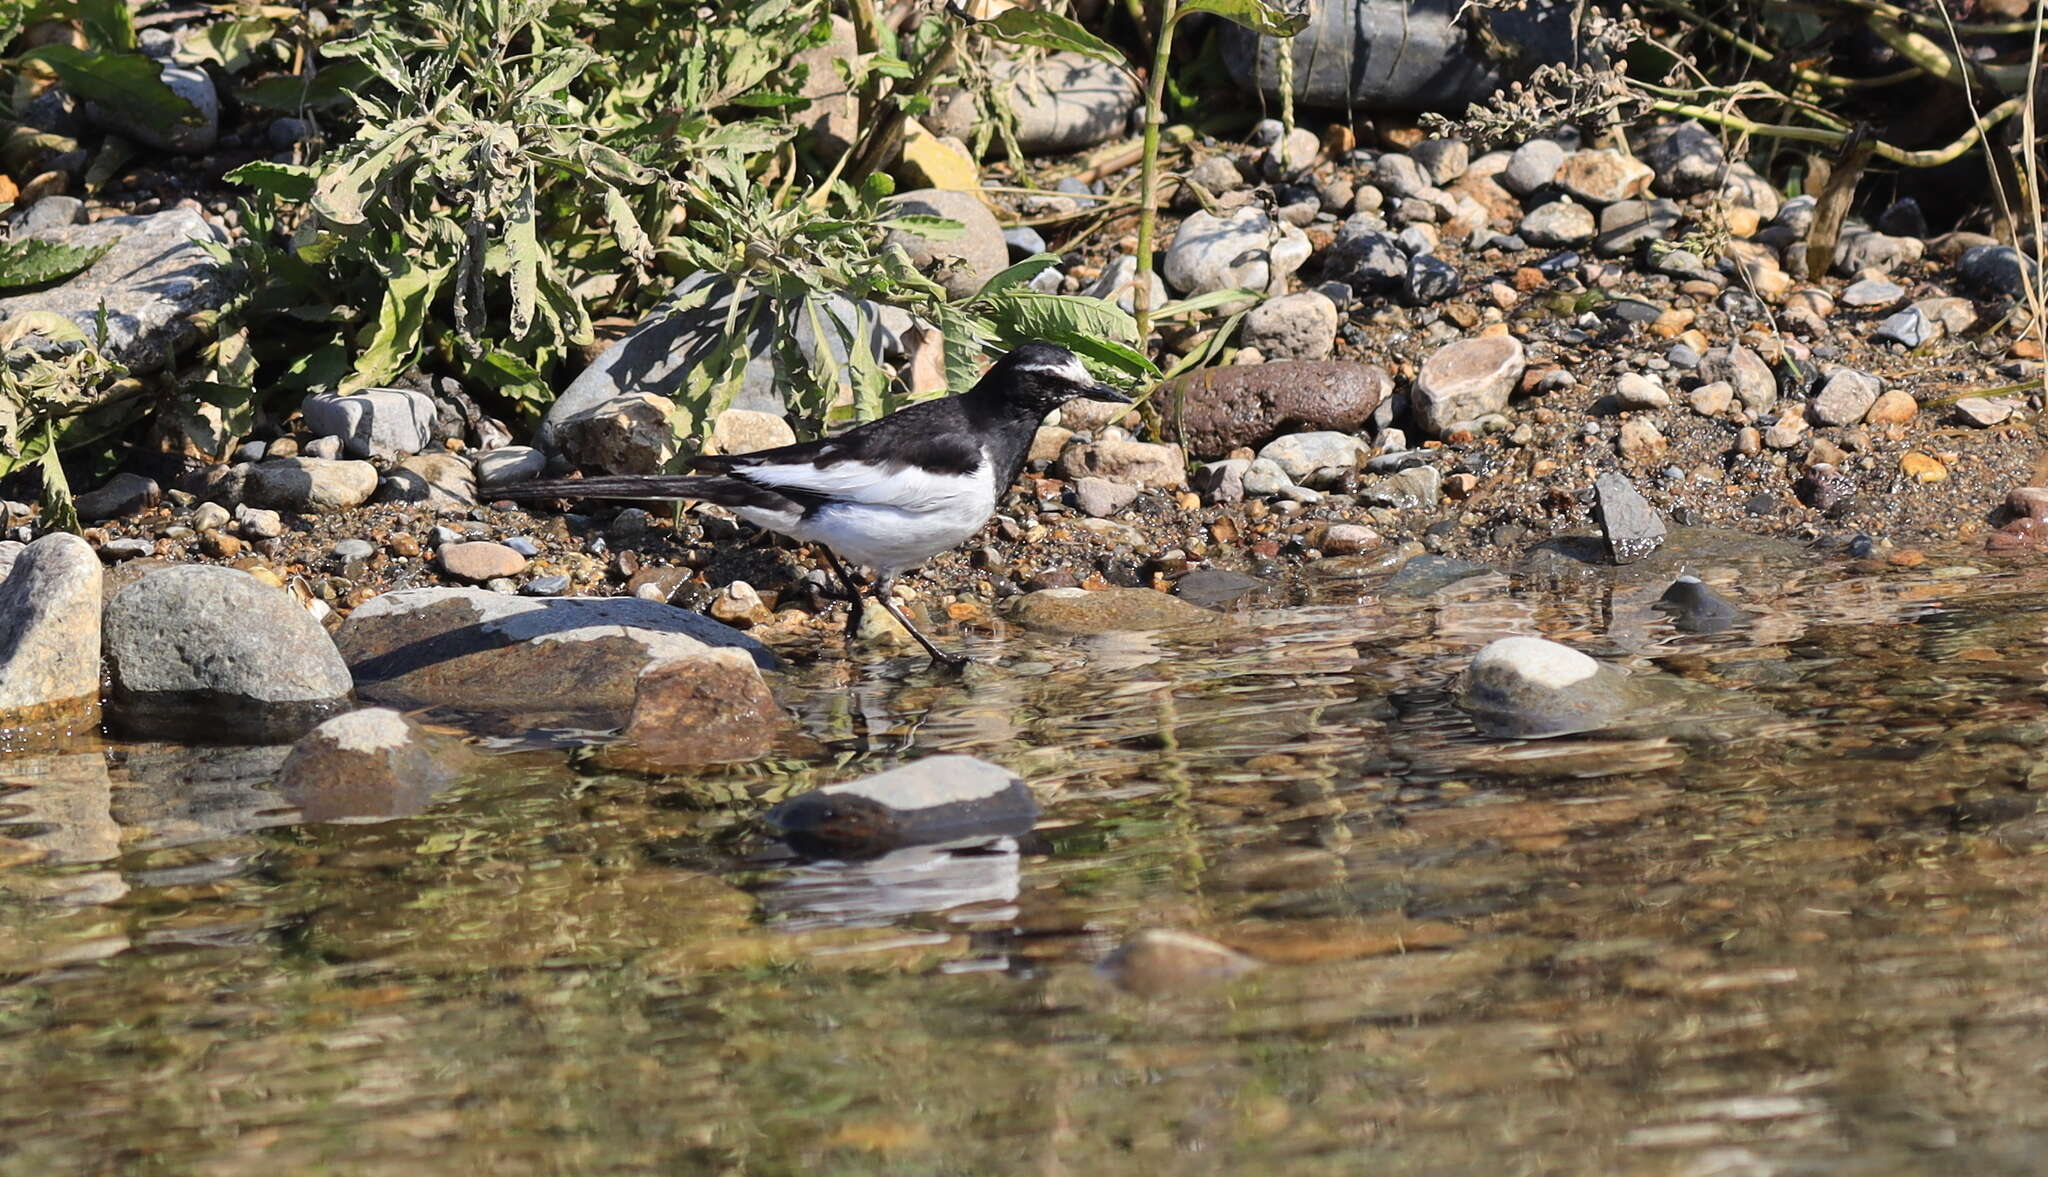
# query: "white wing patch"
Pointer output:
{"type": "Point", "coordinates": [910, 488]}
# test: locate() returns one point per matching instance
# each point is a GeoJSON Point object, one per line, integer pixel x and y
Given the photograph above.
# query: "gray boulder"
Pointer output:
{"type": "Point", "coordinates": [204, 650]}
{"type": "Point", "coordinates": [1243, 248]}
{"type": "Point", "coordinates": [124, 494]}
{"type": "Point", "coordinates": [1996, 269]}
{"type": "Point", "coordinates": [310, 486]}
{"type": "Point", "coordinates": [937, 799]}
{"type": "Point", "coordinates": [153, 280]}
{"type": "Point", "coordinates": [1400, 54]}
{"type": "Point", "coordinates": [374, 423]}
{"type": "Point", "coordinates": [50, 633]}
{"type": "Point", "coordinates": [1067, 102]}
{"type": "Point", "coordinates": [961, 264]}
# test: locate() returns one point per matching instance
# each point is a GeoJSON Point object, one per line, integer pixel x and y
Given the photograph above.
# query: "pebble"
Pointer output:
{"type": "Point", "coordinates": [1560, 222]}
{"type": "Point", "coordinates": [1631, 526]}
{"type": "Point", "coordinates": [209, 517]}
{"type": "Point", "coordinates": [1921, 468]}
{"type": "Point", "coordinates": [1893, 407]}
{"type": "Point", "coordinates": [1641, 441]}
{"type": "Point", "coordinates": [522, 545]}
{"type": "Point", "coordinates": [1983, 412]}
{"type": "Point", "coordinates": [509, 464]}
{"type": "Point", "coordinates": [1293, 327]}
{"type": "Point", "coordinates": [1872, 294]}
{"type": "Point", "coordinates": [478, 561]}
{"type": "Point", "coordinates": [1531, 166]}
{"type": "Point", "coordinates": [1846, 397]}
{"type": "Point", "coordinates": [1429, 279]}
{"type": "Point", "coordinates": [545, 586]}
{"type": "Point", "coordinates": [1466, 379]}
{"type": "Point", "coordinates": [350, 550]}
{"type": "Point", "coordinates": [258, 523]}
{"type": "Point", "coordinates": [1637, 391]}
{"type": "Point", "coordinates": [1910, 328]}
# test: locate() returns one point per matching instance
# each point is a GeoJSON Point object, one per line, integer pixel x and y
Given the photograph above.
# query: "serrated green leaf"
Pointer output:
{"type": "Point", "coordinates": [335, 85]}
{"type": "Point", "coordinates": [522, 243]}
{"type": "Point", "coordinates": [288, 182]}
{"type": "Point", "coordinates": [1275, 18]}
{"type": "Point", "coordinates": [1050, 30]}
{"type": "Point", "coordinates": [625, 226]}
{"type": "Point", "coordinates": [232, 43]}
{"type": "Point", "coordinates": [108, 24]}
{"type": "Point", "coordinates": [26, 263]}
{"type": "Point", "coordinates": [401, 324]}
{"type": "Point", "coordinates": [127, 84]}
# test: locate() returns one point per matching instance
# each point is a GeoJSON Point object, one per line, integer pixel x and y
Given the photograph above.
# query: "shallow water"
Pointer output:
{"type": "Point", "coordinates": [1801, 934]}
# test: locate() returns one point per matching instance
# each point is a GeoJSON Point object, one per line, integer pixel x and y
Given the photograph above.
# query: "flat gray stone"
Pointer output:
{"type": "Point", "coordinates": [200, 650]}
{"type": "Point", "coordinates": [310, 486]}
{"type": "Point", "coordinates": [374, 423]}
{"type": "Point", "coordinates": [509, 465]}
{"type": "Point", "coordinates": [1632, 527]}
{"type": "Point", "coordinates": [1465, 380]}
{"type": "Point", "coordinates": [152, 280]}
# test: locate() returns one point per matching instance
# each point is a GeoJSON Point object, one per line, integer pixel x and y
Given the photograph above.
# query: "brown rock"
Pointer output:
{"type": "Point", "coordinates": [1216, 410]}
{"type": "Point", "coordinates": [1603, 176]}
{"type": "Point", "coordinates": [480, 560]}
{"type": "Point", "coordinates": [1158, 961]}
{"type": "Point", "coordinates": [1892, 407]}
{"type": "Point", "coordinates": [1078, 611]}
{"type": "Point", "coordinates": [714, 708]}
{"type": "Point", "coordinates": [1135, 463]}
{"type": "Point", "coordinates": [1921, 468]}
{"type": "Point", "coordinates": [374, 763]}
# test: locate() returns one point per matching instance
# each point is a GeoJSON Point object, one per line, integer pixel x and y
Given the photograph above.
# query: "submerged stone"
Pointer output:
{"type": "Point", "coordinates": [938, 799]}
{"type": "Point", "coordinates": [1531, 687]}
{"type": "Point", "coordinates": [369, 765]}
{"type": "Point", "coordinates": [1696, 608]}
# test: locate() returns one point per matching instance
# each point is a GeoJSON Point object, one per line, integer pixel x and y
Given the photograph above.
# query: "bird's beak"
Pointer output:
{"type": "Point", "coordinates": [1103, 392]}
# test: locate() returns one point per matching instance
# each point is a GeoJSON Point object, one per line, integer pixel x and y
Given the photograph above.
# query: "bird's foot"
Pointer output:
{"type": "Point", "coordinates": [951, 662]}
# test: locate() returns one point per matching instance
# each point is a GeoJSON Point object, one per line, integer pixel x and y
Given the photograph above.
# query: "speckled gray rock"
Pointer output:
{"type": "Point", "coordinates": [1531, 166]}
{"type": "Point", "coordinates": [1306, 456]}
{"type": "Point", "coordinates": [1744, 371]}
{"type": "Point", "coordinates": [511, 464]}
{"type": "Point", "coordinates": [1397, 175]}
{"type": "Point", "coordinates": [1102, 498]}
{"type": "Point", "coordinates": [1444, 160]}
{"type": "Point", "coordinates": [962, 263]}
{"type": "Point", "coordinates": [1686, 157]}
{"type": "Point", "coordinates": [153, 280]}
{"type": "Point", "coordinates": [1292, 327]}
{"type": "Point", "coordinates": [374, 423]}
{"type": "Point", "coordinates": [434, 479]}
{"type": "Point", "coordinates": [1845, 398]}
{"type": "Point", "coordinates": [1243, 248]}
{"type": "Point", "coordinates": [1560, 222]}
{"type": "Point", "coordinates": [1872, 294]}
{"type": "Point", "coordinates": [370, 765]}
{"type": "Point", "coordinates": [310, 486]}
{"type": "Point", "coordinates": [203, 649]}
{"type": "Point", "coordinates": [1067, 102]}
{"type": "Point", "coordinates": [1632, 527]}
{"type": "Point", "coordinates": [1860, 249]}
{"type": "Point", "coordinates": [1365, 258]}
{"type": "Point", "coordinates": [1626, 224]}
{"type": "Point", "coordinates": [1466, 379]}
{"type": "Point", "coordinates": [50, 633]}
{"type": "Point", "coordinates": [936, 799]}
{"type": "Point", "coordinates": [1996, 269]}
{"type": "Point", "coordinates": [493, 652]}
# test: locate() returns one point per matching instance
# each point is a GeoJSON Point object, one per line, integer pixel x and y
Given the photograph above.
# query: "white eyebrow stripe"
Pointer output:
{"type": "Point", "coordinates": [1073, 370]}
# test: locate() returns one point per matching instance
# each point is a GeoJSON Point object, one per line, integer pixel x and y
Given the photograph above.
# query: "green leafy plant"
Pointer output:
{"type": "Point", "coordinates": [108, 71]}
{"type": "Point", "coordinates": [53, 380]}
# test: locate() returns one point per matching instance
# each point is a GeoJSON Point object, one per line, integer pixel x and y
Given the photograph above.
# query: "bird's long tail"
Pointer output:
{"type": "Point", "coordinates": [711, 488]}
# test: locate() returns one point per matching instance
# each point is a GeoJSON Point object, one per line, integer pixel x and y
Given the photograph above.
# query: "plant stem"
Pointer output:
{"type": "Point", "coordinates": [867, 37]}
{"type": "Point", "coordinates": [1148, 182]}
{"type": "Point", "coordinates": [1930, 158]}
{"type": "Point", "coordinates": [881, 141]}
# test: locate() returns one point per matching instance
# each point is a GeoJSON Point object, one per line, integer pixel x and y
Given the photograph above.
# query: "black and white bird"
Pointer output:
{"type": "Point", "coordinates": [889, 494]}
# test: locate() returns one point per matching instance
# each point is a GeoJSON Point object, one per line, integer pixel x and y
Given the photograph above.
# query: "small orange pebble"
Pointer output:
{"type": "Point", "coordinates": [1921, 468]}
{"type": "Point", "coordinates": [1908, 557]}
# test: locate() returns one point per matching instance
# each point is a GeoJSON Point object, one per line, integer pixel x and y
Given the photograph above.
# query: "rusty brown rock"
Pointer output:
{"type": "Point", "coordinates": [1217, 410]}
{"type": "Point", "coordinates": [712, 708]}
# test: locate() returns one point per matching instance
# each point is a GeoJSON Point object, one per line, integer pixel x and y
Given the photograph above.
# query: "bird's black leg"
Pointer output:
{"type": "Point", "coordinates": [939, 657]}
{"type": "Point", "coordinates": [852, 591]}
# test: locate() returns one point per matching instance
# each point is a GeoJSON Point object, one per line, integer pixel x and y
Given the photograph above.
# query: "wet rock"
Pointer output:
{"type": "Point", "coordinates": [310, 486]}
{"type": "Point", "coordinates": [1466, 379]}
{"type": "Point", "coordinates": [1350, 539]}
{"type": "Point", "coordinates": [1243, 248]}
{"type": "Point", "coordinates": [1557, 224]}
{"type": "Point", "coordinates": [1292, 327]}
{"type": "Point", "coordinates": [1421, 576]}
{"type": "Point", "coordinates": [746, 431]}
{"type": "Point", "coordinates": [1531, 687]}
{"type": "Point", "coordinates": [961, 264]}
{"type": "Point", "coordinates": [479, 560]}
{"type": "Point", "coordinates": [195, 131]}
{"type": "Point", "coordinates": [1429, 279]}
{"type": "Point", "coordinates": [1686, 158]}
{"type": "Point", "coordinates": [369, 765]}
{"type": "Point", "coordinates": [1603, 176]}
{"type": "Point", "coordinates": [1078, 611]}
{"type": "Point", "coordinates": [1846, 397]}
{"type": "Point", "coordinates": [123, 495]}
{"type": "Point", "coordinates": [154, 280]}
{"type": "Point", "coordinates": [1996, 269]}
{"type": "Point", "coordinates": [374, 423]}
{"type": "Point", "coordinates": [493, 652]}
{"type": "Point", "coordinates": [1825, 488]}
{"type": "Point", "coordinates": [50, 634]}
{"type": "Point", "coordinates": [1533, 165]}
{"type": "Point", "coordinates": [199, 650]}
{"type": "Point", "coordinates": [710, 708]}
{"type": "Point", "coordinates": [1216, 410]}
{"type": "Point", "coordinates": [937, 799]}
{"type": "Point", "coordinates": [1214, 587]}
{"type": "Point", "coordinates": [1631, 526]}
{"type": "Point", "coordinates": [1626, 224]}
{"type": "Point", "coordinates": [1160, 961]}
{"type": "Point", "coordinates": [1744, 371]}
{"type": "Point", "coordinates": [509, 465]}
{"type": "Point", "coordinates": [434, 480]}
{"type": "Point", "coordinates": [1322, 455]}
{"type": "Point", "coordinates": [1135, 463]}
{"type": "Point", "coordinates": [1696, 608]}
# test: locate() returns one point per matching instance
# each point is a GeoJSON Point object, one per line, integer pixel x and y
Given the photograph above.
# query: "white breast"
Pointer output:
{"type": "Point", "coordinates": [900, 522]}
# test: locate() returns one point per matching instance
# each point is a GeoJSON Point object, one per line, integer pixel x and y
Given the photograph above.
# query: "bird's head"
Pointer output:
{"type": "Point", "coordinates": [1042, 376]}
